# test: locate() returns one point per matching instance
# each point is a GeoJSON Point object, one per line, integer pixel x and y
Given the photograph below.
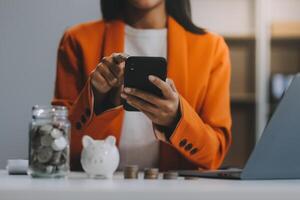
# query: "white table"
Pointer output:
{"type": "Point", "coordinates": [77, 186]}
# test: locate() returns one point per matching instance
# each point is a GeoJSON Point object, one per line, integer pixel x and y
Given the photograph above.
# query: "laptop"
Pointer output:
{"type": "Point", "coordinates": [277, 153]}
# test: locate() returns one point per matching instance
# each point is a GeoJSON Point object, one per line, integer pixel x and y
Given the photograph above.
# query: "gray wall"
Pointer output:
{"type": "Point", "coordinates": [29, 34]}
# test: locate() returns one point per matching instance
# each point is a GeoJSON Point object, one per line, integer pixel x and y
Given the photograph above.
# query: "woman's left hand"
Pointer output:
{"type": "Point", "coordinates": [162, 111]}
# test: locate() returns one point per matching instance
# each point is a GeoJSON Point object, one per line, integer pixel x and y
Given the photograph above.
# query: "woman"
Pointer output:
{"type": "Point", "coordinates": [189, 127]}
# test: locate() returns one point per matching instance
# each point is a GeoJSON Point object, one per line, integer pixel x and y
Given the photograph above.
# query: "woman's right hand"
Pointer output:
{"type": "Point", "coordinates": [109, 73]}
{"type": "Point", "coordinates": [106, 81]}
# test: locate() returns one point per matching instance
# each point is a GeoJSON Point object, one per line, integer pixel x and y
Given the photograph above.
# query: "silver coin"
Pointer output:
{"type": "Point", "coordinates": [35, 143]}
{"type": "Point", "coordinates": [56, 158]}
{"type": "Point", "coordinates": [64, 156]}
{"type": "Point", "coordinates": [170, 175]}
{"type": "Point", "coordinates": [151, 173]}
{"type": "Point", "coordinates": [44, 154]}
{"type": "Point", "coordinates": [63, 167]}
{"type": "Point", "coordinates": [49, 169]}
{"type": "Point", "coordinates": [59, 144]}
{"type": "Point", "coordinates": [34, 131]}
{"type": "Point", "coordinates": [56, 133]}
{"type": "Point", "coordinates": [131, 172]}
{"type": "Point", "coordinates": [38, 167]}
{"type": "Point", "coordinates": [191, 178]}
{"type": "Point", "coordinates": [46, 140]}
{"type": "Point", "coordinates": [45, 129]}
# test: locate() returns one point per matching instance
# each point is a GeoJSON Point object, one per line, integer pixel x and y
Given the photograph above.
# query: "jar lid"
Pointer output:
{"type": "Point", "coordinates": [39, 111]}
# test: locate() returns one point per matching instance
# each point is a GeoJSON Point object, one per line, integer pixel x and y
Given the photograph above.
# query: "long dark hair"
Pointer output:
{"type": "Point", "coordinates": [180, 10]}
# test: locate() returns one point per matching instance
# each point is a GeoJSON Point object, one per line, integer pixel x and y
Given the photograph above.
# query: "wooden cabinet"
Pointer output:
{"type": "Point", "coordinates": [242, 54]}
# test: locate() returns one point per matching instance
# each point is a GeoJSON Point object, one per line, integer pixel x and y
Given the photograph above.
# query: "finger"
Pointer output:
{"type": "Point", "coordinates": [119, 57]}
{"type": "Point", "coordinates": [172, 85]}
{"type": "Point", "coordinates": [118, 72]}
{"type": "Point", "coordinates": [113, 67]}
{"type": "Point", "coordinates": [163, 86]}
{"type": "Point", "coordinates": [99, 82]}
{"type": "Point", "coordinates": [144, 96]}
{"type": "Point", "coordinates": [105, 72]}
{"type": "Point", "coordinates": [121, 73]}
{"type": "Point", "coordinates": [121, 80]}
{"type": "Point", "coordinates": [140, 104]}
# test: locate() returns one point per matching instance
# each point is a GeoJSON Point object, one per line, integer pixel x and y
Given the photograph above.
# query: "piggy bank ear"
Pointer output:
{"type": "Point", "coordinates": [110, 140]}
{"type": "Point", "coordinates": [87, 141]}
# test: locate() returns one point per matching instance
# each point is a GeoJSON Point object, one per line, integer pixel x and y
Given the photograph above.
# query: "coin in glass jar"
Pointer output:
{"type": "Point", "coordinates": [56, 158]}
{"type": "Point", "coordinates": [56, 133]}
{"type": "Point", "coordinates": [46, 140]}
{"type": "Point", "coordinates": [59, 144]}
{"type": "Point", "coordinates": [45, 129]}
{"type": "Point", "coordinates": [44, 154]}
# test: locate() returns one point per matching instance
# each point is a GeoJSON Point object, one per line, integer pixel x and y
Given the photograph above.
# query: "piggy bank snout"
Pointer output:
{"type": "Point", "coordinates": [97, 160]}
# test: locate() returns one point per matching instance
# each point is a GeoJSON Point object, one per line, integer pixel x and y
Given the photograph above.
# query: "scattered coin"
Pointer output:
{"type": "Point", "coordinates": [131, 172]}
{"type": "Point", "coordinates": [190, 178]}
{"type": "Point", "coordinates": [151, 173]}
{"type": "Point", "coordinates": [170, 175]}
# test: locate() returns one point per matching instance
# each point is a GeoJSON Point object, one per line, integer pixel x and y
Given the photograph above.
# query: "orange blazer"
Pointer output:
{"type": "Point", "coordinates": [199, 65]}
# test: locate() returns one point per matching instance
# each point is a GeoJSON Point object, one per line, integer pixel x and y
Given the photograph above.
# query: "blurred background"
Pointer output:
{"type": "Point", "coordinates": [263, 37]}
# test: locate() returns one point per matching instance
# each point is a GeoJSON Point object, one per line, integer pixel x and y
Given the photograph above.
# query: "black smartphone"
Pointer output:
{"type": "Point", "coordinates": [137, 71]}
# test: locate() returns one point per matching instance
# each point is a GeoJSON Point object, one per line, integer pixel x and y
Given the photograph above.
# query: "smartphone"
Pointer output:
{"type": "Point", "coordinates": [137, 71]}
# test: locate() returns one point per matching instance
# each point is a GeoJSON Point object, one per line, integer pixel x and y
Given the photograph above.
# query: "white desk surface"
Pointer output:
{"type": "Point", "coordinates": [78, 186]}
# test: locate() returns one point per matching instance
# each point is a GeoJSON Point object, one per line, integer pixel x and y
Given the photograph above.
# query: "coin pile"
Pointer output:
{"type": "Point", "coordinates": [190, 178]}
{"type": "Point", "coordinates": [170, 175]}
{"type": "Point", "coordinates": [151, 173]}
{"type": "Point", "coordinates": [49, 150]}
{"type": "Point", "coordinates": [131, 172]}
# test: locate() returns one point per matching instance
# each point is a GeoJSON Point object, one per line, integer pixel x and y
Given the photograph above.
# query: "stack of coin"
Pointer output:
{"type": "Point", "coordinates": [131, 172]}
{"type": "Point", "coordinates": [190, 178]}
{"type": "Point", "coordinates": [170, 175]}
{"type": "Point", "coordinates": [49, 150]}
{"type": "Point", "coordinates": [151, 173]}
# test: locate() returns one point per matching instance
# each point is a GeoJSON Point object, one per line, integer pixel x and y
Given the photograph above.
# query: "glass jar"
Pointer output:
{"type": "Point", "coordinates": [49, 139]}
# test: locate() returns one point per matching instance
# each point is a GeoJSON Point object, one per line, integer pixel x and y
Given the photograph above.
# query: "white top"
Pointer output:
{"type": "Point", "coordinates": [77, 186]}
{"type": "Point", "coordinates": [138, 144]}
